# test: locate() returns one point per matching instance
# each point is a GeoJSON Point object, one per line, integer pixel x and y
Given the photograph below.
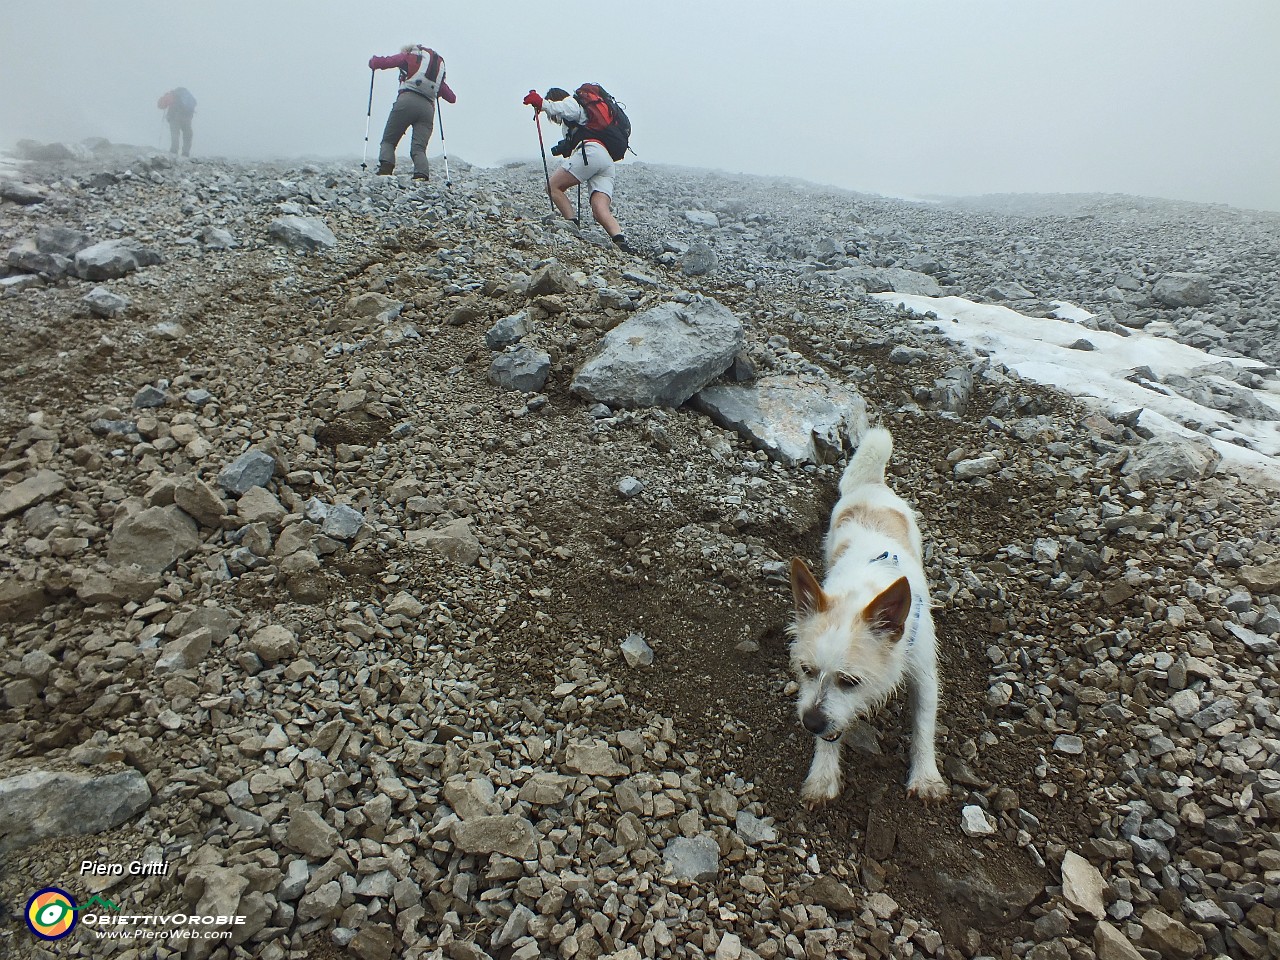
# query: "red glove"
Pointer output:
{"type": "Point", "coordinates": [533, 99]}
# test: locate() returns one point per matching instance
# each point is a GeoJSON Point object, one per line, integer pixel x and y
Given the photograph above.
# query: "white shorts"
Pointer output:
{"type": "Point", "coordinates": [596, 171]}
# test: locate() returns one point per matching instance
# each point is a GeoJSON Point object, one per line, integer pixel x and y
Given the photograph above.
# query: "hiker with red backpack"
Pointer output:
{"type": "Point", "coordinates": [597, 135]}
{"type": "Point", "coordinates": [179, 107]}
{"type": "Point", "coordinates": [421, 82]}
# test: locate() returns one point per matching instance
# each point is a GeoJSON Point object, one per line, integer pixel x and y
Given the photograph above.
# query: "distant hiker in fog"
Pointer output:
{"type": "Point", "coordinates": [597, 134]}
{"type": "Point", "coordinates": [179, 107]}
{"type": "Point", "coordinates": [421, 81]}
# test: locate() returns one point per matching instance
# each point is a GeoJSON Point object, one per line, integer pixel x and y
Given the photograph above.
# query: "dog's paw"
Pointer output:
{"type": "Point", "coordinates": [929, 789]}
{"type": "Point", "coordinates": [819, 792]}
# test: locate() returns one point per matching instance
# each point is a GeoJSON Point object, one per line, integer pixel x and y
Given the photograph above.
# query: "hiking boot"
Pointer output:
{"type": "Point", "coordinates": [386, 169]}
{"type": "Point", "coordinates": [622, 244]}
{"type": "Point", "coordinates": [422, 176]}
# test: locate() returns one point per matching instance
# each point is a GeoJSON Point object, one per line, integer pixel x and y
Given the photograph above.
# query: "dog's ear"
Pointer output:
{"type": "Point", "coordinates": [889, 611]}
{"type": "Point", "coordinates": [806, 591]}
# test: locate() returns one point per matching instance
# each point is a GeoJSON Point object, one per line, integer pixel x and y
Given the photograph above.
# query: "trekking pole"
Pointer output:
{"type": "Point", "coordinates": [443, 148]}
{"type": "Point", "coordinates": [364, 157]}
{"type": "Point", "coordinates": [545, 171]}
{"type": "Point", "coordinates": [579, 203]}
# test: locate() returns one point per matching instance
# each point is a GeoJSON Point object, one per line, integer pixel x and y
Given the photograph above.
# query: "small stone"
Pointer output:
{"type": "Point", "coordinates": [693, 858]}
{"type": "Point", "coordinates": [753, 830]}
{"type": "Point", "coordinates": [103, 303]}
{"type": "Point", "coordinates": [635, 651]}
{"type": "Point", "coordinates": [274, 643]}
{"type": "Point", "coordinates": [975, 822]}
{"type": "Point", "coordinates": [630, 487]}
{"type": "Point", "coordinates": [309, 835]}
{"type": "Point", "coordinates": [405, 605]}
{"type": "Point", "coordinates": [149, 397]}
{"type": "Point", "coordinates": [595, 759]}
{"type": "Point", "coordinates": [829, 892]}
{"type": "Point", "coordinates": [342, 522]}
{"type": "Point", "coordinates": [1069, 744]}
{"type": "Point", "coordinates": [251, 469]}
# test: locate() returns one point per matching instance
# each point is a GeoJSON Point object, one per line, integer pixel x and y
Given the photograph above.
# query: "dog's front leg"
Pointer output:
{"type": "Point", "coordinates": [925, 780]}
{"type": "Point", "coordinates": [823, 783]}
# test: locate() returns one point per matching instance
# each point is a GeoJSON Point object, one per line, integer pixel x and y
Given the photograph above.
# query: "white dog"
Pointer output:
{"type": "Point", "coordinates": [859, 634]}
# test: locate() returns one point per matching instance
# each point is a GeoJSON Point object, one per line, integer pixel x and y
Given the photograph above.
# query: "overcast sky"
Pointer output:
{"type": "Point", "coordinates": [1173, 98]}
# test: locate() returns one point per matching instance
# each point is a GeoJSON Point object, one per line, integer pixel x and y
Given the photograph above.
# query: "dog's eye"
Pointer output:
{"type": "Point", "coordinates": [846, 682]}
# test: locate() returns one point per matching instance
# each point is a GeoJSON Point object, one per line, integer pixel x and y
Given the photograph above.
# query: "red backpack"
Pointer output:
{"type": "Point", "coordinates": [606, 120]}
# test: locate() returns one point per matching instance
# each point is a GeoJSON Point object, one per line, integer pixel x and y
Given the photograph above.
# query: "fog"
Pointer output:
{"type": "Point", "coordinates": [1155, 97]}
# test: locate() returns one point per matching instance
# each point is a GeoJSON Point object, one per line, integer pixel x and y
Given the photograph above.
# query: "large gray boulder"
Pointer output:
{"type": "Point", "coordinates": [699, 259]}
{"type": "Point", "coordinates": [114, 258]}
{"type": "Point", "coordinates": [1182, 290]}
{"type": "Point", "coordinates": [302, 233]}
{"type": "Point", "coordinates": [507, 331]}
{"type": "Point", "coordinates": [885, 279]}
{"type": "Point", "coordinates": [1172, 457]}
{"type": "Point", "coordinates": [793, 419]}
{"type": "Point", "coordinates": [29, 258]}
{"type": "Point", "coordinates": [911, 282]}
{"type": "Point", "coordinates": [154, 539]}
{"type": "Point", "coordinates": [522, 368]}
{"type": "Point", "coordinates": [42, 804]}
{"type": "Point", "coordinates": [661, 357]}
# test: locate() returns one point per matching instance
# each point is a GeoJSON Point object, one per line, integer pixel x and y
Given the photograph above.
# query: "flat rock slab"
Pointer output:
{"type": "Point", "coordinates": [23, 194]}
{"type": "Point", "coordinates": [29, 492]}
{"type": "Point", "coordinates": [302, 233]}
{"type": "Point", "coordinates": [41, 804]}
{"type": "Point", "coordinates": [1082, 885]}
{"type": "Point", "coordinates": [693, 858]}
{"type": "Point", "coordinates": [114, 258]}
{"type": "Point", "coordinates": [793, 419]}
{"type": "Point", "coordinates": [885, 279]}
{"type": "Point", "coordinates": [662, 357]}
{"type": "Point", "coordinates": [509, 835]}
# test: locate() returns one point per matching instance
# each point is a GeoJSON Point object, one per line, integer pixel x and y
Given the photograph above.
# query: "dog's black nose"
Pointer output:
{"type": "Point", "coordinates": [814, 721]}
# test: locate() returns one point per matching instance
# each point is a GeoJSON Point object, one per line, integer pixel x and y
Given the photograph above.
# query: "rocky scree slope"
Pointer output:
{"type": "Point", "coordinates": [301, 602]}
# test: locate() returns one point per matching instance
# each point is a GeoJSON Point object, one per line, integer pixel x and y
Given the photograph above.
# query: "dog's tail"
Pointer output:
{"type": "Point", "coordinates": [868, 463]}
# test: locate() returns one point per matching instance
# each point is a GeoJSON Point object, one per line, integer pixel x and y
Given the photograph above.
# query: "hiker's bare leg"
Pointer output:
{"type": "Point", "coordinates": [561, 181]}
{"type": "Point", "coordinates": [602, 210]}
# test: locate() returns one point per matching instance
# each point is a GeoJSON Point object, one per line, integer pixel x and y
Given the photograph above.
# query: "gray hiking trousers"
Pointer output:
{"type": "Point", "coordinates": [410, 110]}
{"type": "Point", "coordinates": [180, 127]}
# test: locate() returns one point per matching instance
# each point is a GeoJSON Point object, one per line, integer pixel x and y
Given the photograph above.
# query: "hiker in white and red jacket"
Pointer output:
{"type": "Point", "coordinates": [587, 159]}
{"type": "Point", "coordinates": [179, 107]}
{"type": "Point", "coordinates": [421, 81]}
